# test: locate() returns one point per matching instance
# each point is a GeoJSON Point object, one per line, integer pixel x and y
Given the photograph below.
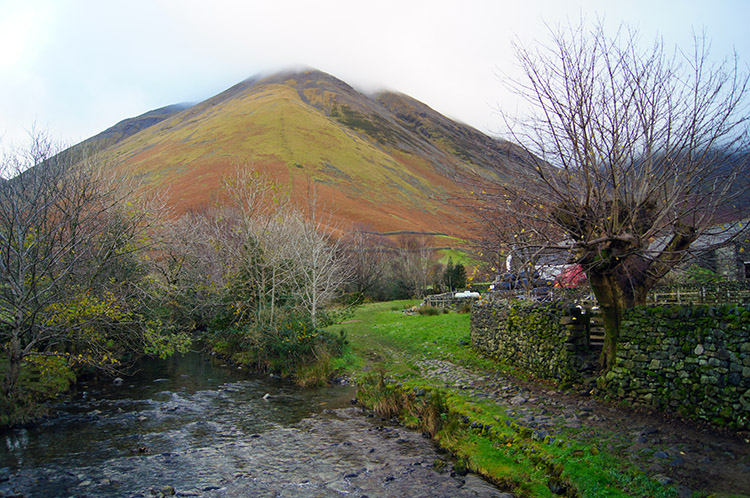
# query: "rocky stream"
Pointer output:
{"type": "Point", "coordinates": [193, 427]}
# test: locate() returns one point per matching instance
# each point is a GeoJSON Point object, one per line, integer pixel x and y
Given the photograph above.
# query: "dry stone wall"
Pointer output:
{"type": "Point", "coordinates": [690, 360]}
{"type": "Point", "coordinates": [547, 341]}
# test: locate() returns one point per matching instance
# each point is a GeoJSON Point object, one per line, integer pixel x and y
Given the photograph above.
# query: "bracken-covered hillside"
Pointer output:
{"type": "Point", "coordinates": [385, 163]}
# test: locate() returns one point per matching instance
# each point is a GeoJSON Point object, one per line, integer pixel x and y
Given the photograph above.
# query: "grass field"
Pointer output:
{"type": "Point", "coordinates": [381, 336]}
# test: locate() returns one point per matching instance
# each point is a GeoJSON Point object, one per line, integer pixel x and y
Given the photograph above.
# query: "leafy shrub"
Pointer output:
{"type": "Point", "coordinates": [20, 408]}
{"type": "Point", "coordinates": [316, 374]}
{"type": "Point", "coordinates": [226, 342]}
{"type": "Point", "coordinates": [377, 392]}
{"type": "Point", "coordinates": [699, 275]}
{"type": "Point", "coordinates": [293, 344]}
{"type": "Point", "coordinates": [334, 316]}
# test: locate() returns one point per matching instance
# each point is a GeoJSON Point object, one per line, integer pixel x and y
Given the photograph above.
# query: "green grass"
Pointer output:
{"type": "Point", "coordinates": [385, 348]}
{"type": "Point", "coordinates": [457, 255]}
{"type": "Point", "coordinates": [381, 336]}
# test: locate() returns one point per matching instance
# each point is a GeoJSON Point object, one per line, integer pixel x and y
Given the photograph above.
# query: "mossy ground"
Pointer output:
{"type": "Point", "coordinates": [386, 355]}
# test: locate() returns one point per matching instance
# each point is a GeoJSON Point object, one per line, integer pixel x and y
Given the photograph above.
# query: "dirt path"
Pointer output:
{"type": "Point", "coordinates": [689, 455]}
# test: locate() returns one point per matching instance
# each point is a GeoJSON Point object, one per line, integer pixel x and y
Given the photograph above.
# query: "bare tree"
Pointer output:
{"type": "Point", "coordinates": [261, 252]}
{"type": "Point", "coordinates": [320, 258]}
{"type": "Point", "coordinates": [413, 263]}
{"type": "Point", "coordinates": [258, 250]}
{"type": "Point", "coordinates": [365, 256]}
{"type": "Point", "coordinates": [191, 267]}
{"type": "Point", "coordinates": [634, 157]}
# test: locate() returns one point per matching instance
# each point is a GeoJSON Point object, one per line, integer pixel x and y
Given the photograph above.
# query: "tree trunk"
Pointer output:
{"type": "Point", "coordinates": [612, 302]}
{"type": "Point", "coordinates": [612, 320]}
{"type": "Point", "coordinates": [14, 367]}
{"type": "Point", "coordinates": [314, 302]}
{"type": "Point", "coordinates": [271, 321]}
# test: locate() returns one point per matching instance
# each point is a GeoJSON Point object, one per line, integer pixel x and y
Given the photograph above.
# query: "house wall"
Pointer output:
{"type": "Point", "coordinates": [728, 263]}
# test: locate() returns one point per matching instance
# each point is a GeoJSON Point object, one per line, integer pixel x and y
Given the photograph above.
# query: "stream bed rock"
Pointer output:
{"type": "Point", "coordinates": [208, 431]}
{"type": "Point", "coordinates": [339, 452]}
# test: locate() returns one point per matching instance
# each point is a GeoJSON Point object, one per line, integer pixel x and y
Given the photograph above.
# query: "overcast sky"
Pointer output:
{"type": "Point", "coordinates": [76, 67]}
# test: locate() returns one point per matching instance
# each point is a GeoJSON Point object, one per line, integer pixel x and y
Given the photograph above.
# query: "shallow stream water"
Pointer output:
{"type": "Point", "coordinates": [193, 427]}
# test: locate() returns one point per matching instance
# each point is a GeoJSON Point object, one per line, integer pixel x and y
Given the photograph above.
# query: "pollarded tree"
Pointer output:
{"type": "Point", "coordinates": [630, 158]}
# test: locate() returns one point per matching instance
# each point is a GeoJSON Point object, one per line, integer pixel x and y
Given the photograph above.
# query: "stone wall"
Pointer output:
{"type": "Point", "coordinates": [693, 360]}
{"type": "Point", "coordinates": [546, 341]}
{"type": "Point", "coordinates": [690, 360]}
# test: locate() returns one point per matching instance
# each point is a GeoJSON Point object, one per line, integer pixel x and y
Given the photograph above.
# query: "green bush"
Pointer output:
{"type": "Point", "coordinates": [292, 344]}
{"type": "Point", "coordinates": [316, 374]}
{"type": "Point", "coordinates": [376, 391]}
{"type": "Point", "coordinates": [41, 378]}
{"type": "Point", "coordinates": [19, 409]}
{"type": "Point", "coordinates": [699, 275]}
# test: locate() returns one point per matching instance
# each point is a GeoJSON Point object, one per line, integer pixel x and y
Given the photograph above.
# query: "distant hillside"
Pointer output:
{"type": "Point", "coordinates": [129, 127]}
{"type": "Point", "coordinates": [384, 163]}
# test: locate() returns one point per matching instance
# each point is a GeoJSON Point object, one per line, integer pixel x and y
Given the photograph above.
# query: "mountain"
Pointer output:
{"type": "Point", "coordinates": [131, 126]}
{"type": "Point", "coordinates": [385, 163]}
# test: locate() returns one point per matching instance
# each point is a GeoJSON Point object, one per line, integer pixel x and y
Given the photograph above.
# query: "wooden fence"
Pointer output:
{"type": "Point", "coordinates": [700, 295]}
